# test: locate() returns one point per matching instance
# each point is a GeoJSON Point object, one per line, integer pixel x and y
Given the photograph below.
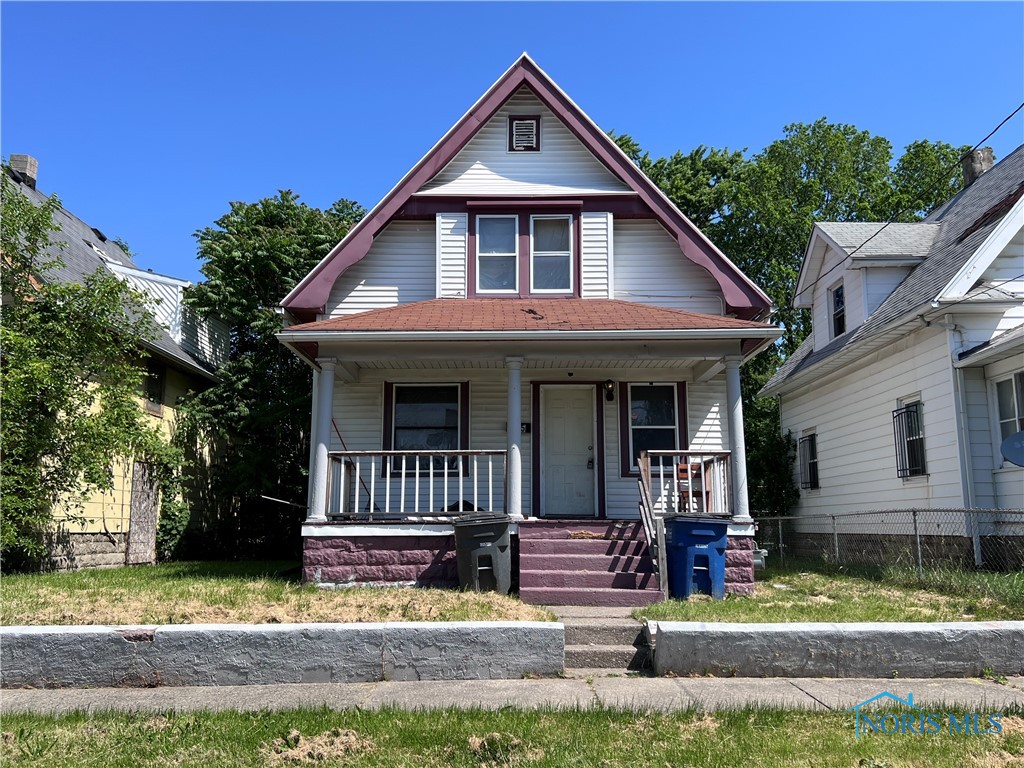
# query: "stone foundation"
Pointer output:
{"type": "Point", "coordinates": [72, 551]}
{"type": "Point", "coordinates": [424, 561]}
{"type": "Point", "coordinates": [739, 565]}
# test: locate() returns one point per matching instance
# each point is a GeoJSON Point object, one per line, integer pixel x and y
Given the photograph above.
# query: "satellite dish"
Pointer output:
{"type": "Point", "coordinates": [1013, 449]}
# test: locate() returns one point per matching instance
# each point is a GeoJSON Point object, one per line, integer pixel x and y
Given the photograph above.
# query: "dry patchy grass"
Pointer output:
{"type": "Point", "coordinates": [237, 593]}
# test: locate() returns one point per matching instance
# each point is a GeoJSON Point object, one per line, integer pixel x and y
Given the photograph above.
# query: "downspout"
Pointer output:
{"type": "Point", "coordinates": [960, 397]}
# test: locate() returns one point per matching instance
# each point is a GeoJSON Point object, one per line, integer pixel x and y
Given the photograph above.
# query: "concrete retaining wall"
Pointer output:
{"type": "Point", "coordinates": [233, 654]}
{"type": "Point", "coordinates": [961, 649]}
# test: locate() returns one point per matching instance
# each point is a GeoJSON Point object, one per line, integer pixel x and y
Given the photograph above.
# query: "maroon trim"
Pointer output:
{"type": "Point", "coordinates": [508, 133]}
{"type": "Point", "coordinates": [625, 205]}
{"type": "Point", "coordinates": [599, 452]}
{"type": "Point", "coordinates": [389, 417]}
{"type": "Point", "coordinates": [521, 205]}
{"type": "Point", "coordinates": [741, 295]}
{"type": "Point", "coordinates": [682, 424]}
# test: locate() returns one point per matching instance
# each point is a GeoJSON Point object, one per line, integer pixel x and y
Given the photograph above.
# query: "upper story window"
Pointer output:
{"type": "Point", "coordinates": [524, 133]}
{"type": "Point", "coordinates": [837, 308]}
{"type": "Point", "coordinates": [497, 249]}
{"type": "Point", "coordinates": [524, 254]}
{"type": "Point", "coordinates": [551, 254]}
{"type": "Point", "coordinates": [153, 386]}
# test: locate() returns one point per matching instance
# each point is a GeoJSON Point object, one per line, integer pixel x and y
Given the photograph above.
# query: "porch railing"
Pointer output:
{"type": "Point", "coordinates": [422, 484]}
{"type": "Point", "coordinates": [688, 482]}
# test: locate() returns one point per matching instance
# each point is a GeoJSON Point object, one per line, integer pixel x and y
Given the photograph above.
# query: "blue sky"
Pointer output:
{"type": "Point", "coordinates": [148, 118]}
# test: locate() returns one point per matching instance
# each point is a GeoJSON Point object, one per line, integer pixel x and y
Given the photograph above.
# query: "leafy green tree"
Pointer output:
{"type": "Point", "coordinates": [71, 381]}
{"type": "Point", "coordinates": [760, 211]}
{"type": "Point", "coordinates": [252, 257]}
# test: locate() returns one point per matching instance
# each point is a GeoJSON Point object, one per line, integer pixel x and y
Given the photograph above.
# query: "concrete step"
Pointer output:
{"type": "Point", "coordinates": [625, 547]}
{"type": "Point", "coordinates": [603, 632]}
{"type": "Point", "coordinates": [568, 529]}
{"type": "Point", "coordinates": [610, 564]}
{"type": "Point", "coordinates": [606, 656]}
{"type": "Point", "coordinates": [589, 596]}
{"type": "Point", "coordinates": [585, 673]}
{"type": "Point", "coordinates": [605, 579]}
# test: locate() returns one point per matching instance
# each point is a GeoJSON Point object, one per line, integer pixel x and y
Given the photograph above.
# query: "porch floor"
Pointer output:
{"type": "Point", "coordinates": [591, 562]}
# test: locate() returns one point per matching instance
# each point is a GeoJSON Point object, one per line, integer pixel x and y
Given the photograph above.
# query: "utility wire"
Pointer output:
{"type": "Point", "coordinates": [944, 305]}
{"type": "Point", "coordinates": [893, 218]}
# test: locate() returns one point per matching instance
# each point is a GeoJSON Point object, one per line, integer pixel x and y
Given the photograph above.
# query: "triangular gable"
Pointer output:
{"type": "Point", "coordinates": [742, 296]}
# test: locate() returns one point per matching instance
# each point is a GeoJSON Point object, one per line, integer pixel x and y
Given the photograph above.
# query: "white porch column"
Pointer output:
{"type": "Point", "coordinates": [514, 491]}
{"type": "Point", "coordinates": [737, 444]}
{"type": "Point", "coordinates": [312, 438]}
{"type": "Point", "coordinates": [322, 407]}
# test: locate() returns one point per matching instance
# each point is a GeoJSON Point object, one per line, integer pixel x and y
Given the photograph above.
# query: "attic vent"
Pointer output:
{"type": "Point", "coordinates": [523, 133]}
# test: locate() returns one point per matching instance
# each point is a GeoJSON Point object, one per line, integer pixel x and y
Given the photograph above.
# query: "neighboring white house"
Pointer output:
{"type": "Point", "coordinates": [913, 375]}
{"type": "Point", "coordinates": [528, 301]}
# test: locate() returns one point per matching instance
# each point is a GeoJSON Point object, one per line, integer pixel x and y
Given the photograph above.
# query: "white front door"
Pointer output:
{"type": "Point", "coordinates": [567, 458]}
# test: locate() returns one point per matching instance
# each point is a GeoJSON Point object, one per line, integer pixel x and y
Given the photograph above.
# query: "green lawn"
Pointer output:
{"type": "Point", "coordinates": [817, 593]}
{"type": "Point", "coordinates": [474, 739]}
{"type": "Point", "coordinates": [222, 592]}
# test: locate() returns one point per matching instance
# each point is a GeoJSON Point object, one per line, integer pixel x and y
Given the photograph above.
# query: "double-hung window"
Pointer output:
{"type": "Point", "coordinates": [497, 254]}
{"type": "Point", "coordinates": [1010, 405]}
{"type": "Point", "coordinates": [651, 423]}
{"type": "Point", "coordinates": [426, 417]}
{"type": "Point", "coordinates": [837, 307]}
{"type": "Point", "coordinates": [551, 254]}
{"type": "Point", "coordinates": [808, 454]}
{"type": "Point", "coordinates": [908, 429]}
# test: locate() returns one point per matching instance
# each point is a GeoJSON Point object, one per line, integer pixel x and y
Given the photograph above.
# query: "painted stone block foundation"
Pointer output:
{"type": "Point", "coordinates": [424, 560]}
{"type": "Point", "coordinates": [739, 565]}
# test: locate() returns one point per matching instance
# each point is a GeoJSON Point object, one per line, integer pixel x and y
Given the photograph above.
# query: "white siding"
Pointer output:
{"type": "Point", "coordinates": [853, 418]}
{"type": "Point", "coordinates": [650, 268]}
{"type": "Point", "coordinates": [451, 255]}
{"type": "Point", "coordinates": [979, 436]}
{"type": "Point", "coordinates": [485, 166]}
{"type": "Point", "coordinates": [879, 282]}
{"type": "Point", "coordinates": [853, 290]}
{"type": "Point", "coordinates": [400, 267]}
{"type": "Point", "coordinates": [596, 255]}
{"type": "Point", "coordinates": [358, 413]}
{"type": "Point", "coordinates": [165, 299]}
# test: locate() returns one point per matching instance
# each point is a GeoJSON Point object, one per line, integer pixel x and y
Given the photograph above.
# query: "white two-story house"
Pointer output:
{"type": "Point", "coordinates": [912, 383]}
{"type": "Point", "coordinates": [508, 330]}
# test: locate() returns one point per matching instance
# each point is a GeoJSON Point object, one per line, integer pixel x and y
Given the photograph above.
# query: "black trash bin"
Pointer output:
{"type": "Point", "coordinates": [695, 547]}
{"type": "Point", "coordinates": [483, 547]}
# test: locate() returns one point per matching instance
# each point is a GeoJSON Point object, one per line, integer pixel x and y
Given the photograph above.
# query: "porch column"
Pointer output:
{"type": "Point", "coordinates": [323, 407]}
{"type": "Point", "coordinates": [514, 491]}
{"type": "Point", "coordinates": [737, 444]}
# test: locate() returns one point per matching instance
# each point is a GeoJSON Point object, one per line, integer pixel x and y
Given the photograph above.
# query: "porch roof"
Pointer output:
{"type": "Point", "coordinates": [532, 315]}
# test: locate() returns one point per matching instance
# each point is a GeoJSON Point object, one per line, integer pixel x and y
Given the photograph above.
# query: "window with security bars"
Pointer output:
{"type": "Point", "coordinates": [909, 433]}
{"type": "Point", "coordinates": [808, 450]}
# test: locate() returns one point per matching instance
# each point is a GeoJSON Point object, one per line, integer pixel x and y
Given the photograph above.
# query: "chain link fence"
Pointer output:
{"type": "Point", "coordinates": [922, 539]}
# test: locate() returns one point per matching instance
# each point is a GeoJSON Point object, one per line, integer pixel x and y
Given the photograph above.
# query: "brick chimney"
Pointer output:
{"type": "Point", "coordinates": [976, 163]}
{"type": "Point", "coordinates": [27, 167]}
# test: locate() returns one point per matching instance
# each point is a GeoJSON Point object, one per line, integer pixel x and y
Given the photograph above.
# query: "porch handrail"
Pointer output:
{"type": "Point", "coordinates": [413, 483]}
{"type": "Point", "coordinates": [654, 527]}
{"type": "Point", "coordinates": [692, 482]}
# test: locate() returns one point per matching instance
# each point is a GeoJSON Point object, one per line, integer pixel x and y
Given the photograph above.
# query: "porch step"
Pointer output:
{"type": "Point", "coordinates": [606, 579]}
{"type": "Point", "coordinates": [594, 631]}
{"type": "Point", "coordinates": [589, 596]}
{"type": "Point", "coordinates": [622, 547]}
{"type": "Point", "coordinates": [575, 563]}
{"type": "Point", "coordinates": [582, 531]}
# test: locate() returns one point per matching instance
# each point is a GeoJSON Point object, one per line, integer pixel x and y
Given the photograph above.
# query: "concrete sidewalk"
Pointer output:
{"type": "Point", "coordinates": [638, 693]}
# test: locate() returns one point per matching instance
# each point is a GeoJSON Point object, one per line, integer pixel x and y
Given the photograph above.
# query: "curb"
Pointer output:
{"type": "Point", "coordinates": [881, 650]}
{"type": "Point", "coordinates": [242, 654]}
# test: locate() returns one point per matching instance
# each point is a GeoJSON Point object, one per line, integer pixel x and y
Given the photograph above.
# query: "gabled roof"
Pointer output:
{"type": "Point", "coordinates": [965, 224]}
{"type": "Point", "coordinates": [86, 249]}
{"type": "Point", "coordinates": [742, 296]}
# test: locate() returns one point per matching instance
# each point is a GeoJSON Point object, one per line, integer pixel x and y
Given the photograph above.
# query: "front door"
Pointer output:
{"type": "Point", "coordinates": [567, 459]}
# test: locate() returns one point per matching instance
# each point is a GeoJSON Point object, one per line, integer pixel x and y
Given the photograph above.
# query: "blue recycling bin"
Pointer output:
{"type": "Point", "coordinates": [695, 551]}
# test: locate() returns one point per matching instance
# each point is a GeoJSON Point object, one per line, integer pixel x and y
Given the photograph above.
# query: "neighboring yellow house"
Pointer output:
{"type": "Point", "coordinates": [119, 527]}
